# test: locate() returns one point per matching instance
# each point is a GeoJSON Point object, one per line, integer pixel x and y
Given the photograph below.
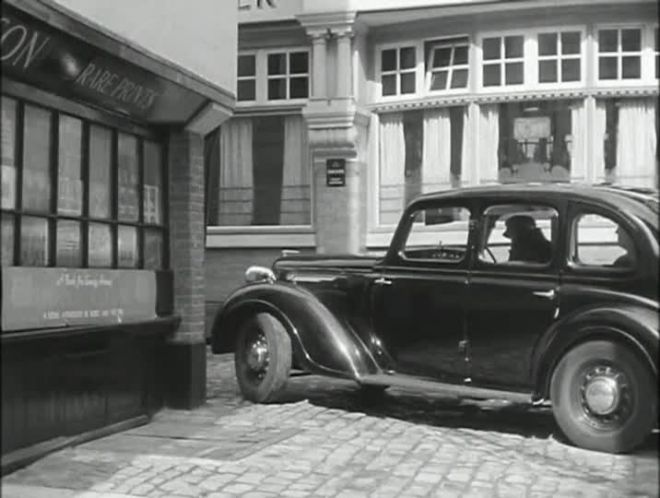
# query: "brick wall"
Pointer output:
{"type": "Point", "coordinates": [186, 162]}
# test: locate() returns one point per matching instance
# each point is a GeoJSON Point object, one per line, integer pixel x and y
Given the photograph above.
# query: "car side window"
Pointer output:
{"type": "Point", "coordinates": [438, 234]}
{"type": "Point", "coordinates": [518, 234]}
{"type": "Point", "coordinates": [599, 241]}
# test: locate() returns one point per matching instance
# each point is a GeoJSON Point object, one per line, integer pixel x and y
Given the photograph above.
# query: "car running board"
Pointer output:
{"type": "Point", "coordinates": [409, 382]}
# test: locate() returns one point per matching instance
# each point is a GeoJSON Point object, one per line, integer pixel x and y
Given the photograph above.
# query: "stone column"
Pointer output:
{"type": "Point", "coordinates": [185, 385]}
{"type": "Point", "coordinates": [344, 64]}
{"type": "Point", "coordinates": [319, 59]}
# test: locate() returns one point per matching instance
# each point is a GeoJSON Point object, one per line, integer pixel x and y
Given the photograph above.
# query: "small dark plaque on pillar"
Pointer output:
{"type": "Point", "coordinates": [335, 172]}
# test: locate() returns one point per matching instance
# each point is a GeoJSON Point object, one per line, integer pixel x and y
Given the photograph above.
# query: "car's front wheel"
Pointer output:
{"type": "Point", "coordinates": [603, 397]}
{"type": "Point", "coordinates": [262, 358]}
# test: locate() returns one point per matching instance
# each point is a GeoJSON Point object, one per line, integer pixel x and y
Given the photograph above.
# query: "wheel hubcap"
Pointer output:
{"type": "Point", "coordinates": [602, 395]}
{"type": "Point", "coordinates": [257, 357]}
{"type": "Point", "coordinates": [606, 396]}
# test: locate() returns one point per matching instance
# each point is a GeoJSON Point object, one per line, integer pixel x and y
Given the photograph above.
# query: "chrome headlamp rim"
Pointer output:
{"type": "Point", "coordinates": [256, 274]}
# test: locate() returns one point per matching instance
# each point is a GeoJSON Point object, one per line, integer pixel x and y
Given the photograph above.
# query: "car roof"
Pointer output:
{"type": "Point", "coordinates": [639, 201]}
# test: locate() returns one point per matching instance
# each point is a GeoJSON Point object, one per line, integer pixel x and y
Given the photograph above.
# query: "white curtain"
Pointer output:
{"type": "Point", "coordinates": [392, 154]}
{"type": "Point", "coordinates": [579, 142]}
{"type": "Point", "coordinates": [636, 143]}
{"type": "Point", "coordinates": [600, 129]}
{"type": "Point", "coordinates": [487, 144]}
{"type": "Point", "coordinates": [468, 167]}
{"type": "Point", "coordinates": [236, 183]}
{"type": "Point", "coordinates": [295, 204]}
{"type": "Point", "coordinates": [436, 158]}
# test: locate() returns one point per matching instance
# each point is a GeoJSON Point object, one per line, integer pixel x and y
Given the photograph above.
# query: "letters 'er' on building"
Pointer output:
{"type": "Point", "coordinates": [103, 122]}
{"type": "Point", "coordinates": [416, 96]}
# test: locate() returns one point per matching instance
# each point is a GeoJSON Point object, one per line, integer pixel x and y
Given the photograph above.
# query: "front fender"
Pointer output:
{"type": "Point", "coordinates": [634, 325]}
{"type": "Point", "coordinates": [322, 342]}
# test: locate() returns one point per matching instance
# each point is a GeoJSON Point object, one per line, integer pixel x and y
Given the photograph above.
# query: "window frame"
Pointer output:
{"type": "Point", "coordinates": [559, 57]}
{"type": "Point", "coordinates": [646, 55]}
{"type": "Point", "coordinates": [453, 42]}
{"type": "Point", "coordinates": [254, 78]}
{"type": "Point", "coordinates": [417, 46]}
{"type": "Point", "coordinates": [57, 107]}
{"type": "Point", "coordinates": [503, 60]}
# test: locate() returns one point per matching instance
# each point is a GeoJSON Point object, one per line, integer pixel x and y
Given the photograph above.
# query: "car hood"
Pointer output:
{"type": "Point", "coordinates": [332, 262]}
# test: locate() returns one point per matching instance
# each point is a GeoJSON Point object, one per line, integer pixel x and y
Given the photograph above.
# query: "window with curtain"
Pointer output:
{"type": "Point", "coordinates": [536, 139]}
{"type": "Point", "coordinates": [397, 71]}
{"type": "Point", "coordinates": [86, 211]}
{"type": "Point", "coordinates": [419, 151]}
{"type": "Point", "coordinates": [629, 137]}
{"type": "Point", "coordinates": [264, 172]}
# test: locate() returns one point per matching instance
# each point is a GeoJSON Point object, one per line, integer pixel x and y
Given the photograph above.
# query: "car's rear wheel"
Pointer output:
{"type": "Point", "coordinates": [262, 358]}
{"type": "Point", "coordinates": [603, 397]}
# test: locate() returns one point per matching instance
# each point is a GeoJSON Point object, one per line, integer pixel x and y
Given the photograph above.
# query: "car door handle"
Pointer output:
{"type": "Point", "coordinates": [382, 281]}
{"type": "Point", "coordinates": [546, 294]}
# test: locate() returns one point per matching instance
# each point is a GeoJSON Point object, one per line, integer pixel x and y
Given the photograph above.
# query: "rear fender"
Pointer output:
{"type": "Point", "coordinates": [322, 342]}
{"type": "Point", "coordinates": [633, 325]}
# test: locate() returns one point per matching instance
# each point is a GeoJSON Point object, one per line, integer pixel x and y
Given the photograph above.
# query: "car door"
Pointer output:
{"type": "Point", "coordinates": [512, 300]}
{"type": "Point", "coordinates": [419, 298]}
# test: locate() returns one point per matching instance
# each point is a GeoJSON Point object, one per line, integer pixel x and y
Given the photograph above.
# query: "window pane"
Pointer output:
{"type": "Point", "coordinates": [388, 60]}
{"type": "Point", "coordinates": [607, 68]}
{"type": "Point", "coordinates": [34, 241]}
{"type": "Point", "coordinates": [513, 46]}
{"type": "Point", "coordinates": [127, 178]}
{"type": "Point", "coordinates": [408, 83]}
{"type": "Point", "coordinates": [548, 44]}
{"type": "Point", "coordinates": [276, 89]}
{"type": "Point", "coordinates": [298, 62]}
{"type": "Point", "coordinates": [153, 249]}
{"type": "Point", "coordinates": [429, 234]}
{"type": "Point", "coordinates": [460, 55]}
{"type": "Point", "coordinates": [298, 88]}
{"type": "Point", "coordinates": [631, 67]}
{"type": "Point", "coordinates": [36, 159]}
{"type": "Point", "coordinates": [153, 185]}
{"type": "Point", "coordinates": [600, 241]}
{"type": "Point", "coordinates": [570, 70]}
{"type": "Point", "coordinates": [439, 80]}
{"type": "Point", "coordinates": [491, 48]}
{"type": "Point", "coordinates": [570, 43]}
{"type": "Point", "coordinates": [407, 58]}
{"type": "Point", "coordinates": [69, 193]}
{"type": "Point", "coordinates": [631, 40]}
{"type": "Point", "coordinates": [7, 258]}
{"type": "Point", "coordinates": [442, 57]}
{"type": "Point", "coordinates": [8, 153]}
{"type": "Point", "coordinates": [100, 145]}
{"type": "Point", "coordinates": [389, 84]}
{"type": "Point", "coordinates": [246, 90]}
{"type": "Point", "coordinates": [459, 78]}
{"type": "Point", "coordinates": [492, 76]}
{"type": "Point", "coordinates": [68, 251]}
{"type": "Point", "coordinates": [277, 64]}
{"type": "Point", "coordinates": [127, 248]}
{"type": "Point", "coordinates": [514, 73]}
{"type": "Point", "coordinates": [607, 40]}
{"type": "Point", "coordinates": [100, 245]}
{"type": "Point", "coordinates": [246, 65]}
{"type": "Point", "coordinates": [547, 71]}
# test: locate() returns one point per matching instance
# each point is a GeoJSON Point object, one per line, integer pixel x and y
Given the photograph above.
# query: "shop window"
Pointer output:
{"type": "Point", "coordinates": [598, 241]}
{"type": "Point", "coordinates": [8, 151]}
{"type": "Point", "coordinates": [620, 54]}
{"type": "Point", "coordinates": [247, 78]}
{"type": "Point", "coordinates": [36, 159]}
{"type": "Point", "coordinates": [559, 57]}
{"type": "Point", "coordinates": [419, 151]}
{"type": "Point", "coordinates": [447, 64]}
{"type": "Point", "coordinates": [92, 196]}
{"type": "Point", "coordinates": [288, 75]}
{"type": "Point", "coordinates": [264, 173]}
{"type": "Point", "coordinates": [537, 139]}
{"type": "Point", "coordinates": [397, 71]}
{"type": "Point", "coordinates": [503, 61]}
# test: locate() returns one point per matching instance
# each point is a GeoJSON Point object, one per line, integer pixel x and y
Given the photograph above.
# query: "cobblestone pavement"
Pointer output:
{"type": "Point", "coordinates": [325, 439]}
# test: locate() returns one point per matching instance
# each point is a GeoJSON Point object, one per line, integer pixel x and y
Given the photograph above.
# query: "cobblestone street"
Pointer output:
{"type": "Point", "coordinates": [324, 439]}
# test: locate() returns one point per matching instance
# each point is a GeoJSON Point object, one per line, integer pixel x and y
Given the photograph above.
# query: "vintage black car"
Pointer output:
{"type": "Point", "coordinates": [533, 293]}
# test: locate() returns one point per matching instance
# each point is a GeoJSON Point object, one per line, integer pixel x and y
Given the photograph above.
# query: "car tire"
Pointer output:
{"type": "Point", "coordinates": [603, 397]}
{"type": "Point", "coordinates": [262, 358]}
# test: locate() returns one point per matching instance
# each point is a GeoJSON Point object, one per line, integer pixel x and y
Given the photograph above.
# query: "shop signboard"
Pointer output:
{"type": "Point", "coordinates": [57, 297]}
{"type": "Point", "coordinates": [335, 172]}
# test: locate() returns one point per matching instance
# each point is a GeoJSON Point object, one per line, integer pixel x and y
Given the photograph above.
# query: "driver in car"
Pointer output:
{"type": "Point", "coordinates": [527, 240]}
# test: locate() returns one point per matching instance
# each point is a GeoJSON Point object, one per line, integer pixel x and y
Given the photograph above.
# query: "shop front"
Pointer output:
{"type": "Point", "coordinates": [102, 175]}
